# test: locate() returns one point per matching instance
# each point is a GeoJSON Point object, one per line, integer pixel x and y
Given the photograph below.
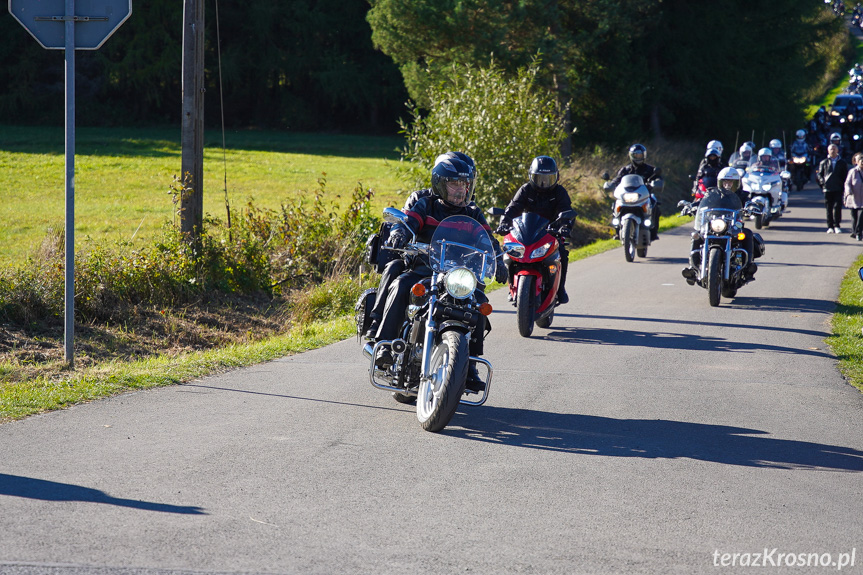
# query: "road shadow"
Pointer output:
{"type": "Point", "coordinates": [666, 340]}
{"type": "Point", "coordinates": [30, 488]}
{"type": "Point", "coordinates": [648, 439]}
{"type": "Point", "coordinates": [629, 320]}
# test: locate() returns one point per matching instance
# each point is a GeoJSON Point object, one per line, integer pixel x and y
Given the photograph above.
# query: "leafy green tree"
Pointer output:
{"type": "Point", "coordinates": [501, 123]}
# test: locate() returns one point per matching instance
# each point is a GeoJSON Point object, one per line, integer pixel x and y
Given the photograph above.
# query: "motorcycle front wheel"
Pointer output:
{"type": "Point", "coordinates": [628, 232]}
{"type": "Point", "coordinates": [714, 276]}
{"type": "Point", "coordinates": [526, 305]}
{"type": "Point", "coordinates": [440, 393]}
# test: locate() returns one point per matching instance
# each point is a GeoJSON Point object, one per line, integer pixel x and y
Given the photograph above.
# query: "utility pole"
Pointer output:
{"type": "Point", "coordinates": [192, 199]}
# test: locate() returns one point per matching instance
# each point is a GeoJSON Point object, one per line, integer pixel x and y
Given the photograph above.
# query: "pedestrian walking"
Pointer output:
{"type": "Point", "coordinates": [853, 197]}
{"type": "Point", "coordinates": [832, 172]}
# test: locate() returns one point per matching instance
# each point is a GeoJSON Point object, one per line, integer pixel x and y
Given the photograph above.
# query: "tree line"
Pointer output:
{"type": "Point", "coordinates": [625, 68]}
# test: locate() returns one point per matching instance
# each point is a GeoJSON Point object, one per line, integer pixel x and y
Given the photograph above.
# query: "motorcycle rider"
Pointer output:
{"type": "Point", "coordinates": [716, 145]}
{"type": "Point", "coordinates": [727, 194]}
{"type": "Point", "coordinates": [765, 162]}
{"type": "Point", "coordinates": [800, 147]}
{"type": "Point", "coordinates": [710, 166]}
{"type": "Point", "coordinates": [638, 166]}
{"type": "Point", "coordinates": [397, 265]}
{"type": "Point", "coordinates": [542, 195]}
{"type": "Point", "coordinates": [742, 158]}
{"type": "Point", "coordinates": [836, 140]}
{"type": "Point", "coordinates": [778, 154]}
{"type": "Point", "coordinates": [451, 183]}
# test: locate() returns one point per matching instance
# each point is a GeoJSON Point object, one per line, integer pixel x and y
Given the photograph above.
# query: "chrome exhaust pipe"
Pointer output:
{"type": "Point", "coordinates": [368, 351]}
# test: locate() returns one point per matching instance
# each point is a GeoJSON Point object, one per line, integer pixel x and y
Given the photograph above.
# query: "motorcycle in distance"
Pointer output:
{"type": "Point", "coordinates": [798, 167]}
{"type": "Point", "coordinates": [532, 256]}
{"type": "Point", "coordinates": [634, 200]}
{"type": "Point", "coordinates": [431, 355]}
{"type": "Point", "coordinates": [721, 260]}
{"type": "Point", "coordinates": [767, 189]}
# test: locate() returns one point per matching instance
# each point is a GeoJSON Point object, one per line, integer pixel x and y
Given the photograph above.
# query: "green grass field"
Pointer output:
{"type": "Point", "coordinates": [123, 175]}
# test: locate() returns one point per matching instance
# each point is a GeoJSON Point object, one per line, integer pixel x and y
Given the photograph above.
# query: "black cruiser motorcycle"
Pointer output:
{"type": "Point", "coordinates": [431, 354]}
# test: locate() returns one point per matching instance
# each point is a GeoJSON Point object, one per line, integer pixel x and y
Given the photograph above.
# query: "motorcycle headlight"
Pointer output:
{"type": "Point", "coordinates": [630, 197]}
{"type": "Point", "coordinates": [540, 251]}
{"type": "Point", "coordinates": [766, 187]}
{"type": "Point", "coordinates": [718, 226]}
{"type": "Point", "coordinates": [513, 249]}
{"type": "Point", "coordinates": [460, 283]}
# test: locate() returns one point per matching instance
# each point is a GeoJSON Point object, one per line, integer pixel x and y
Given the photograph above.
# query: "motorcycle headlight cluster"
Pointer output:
{"type": "Point", "coordinates": [630, 197]}
{"type": "Point", "coordinates": [766, 187]}
{"type": "Point", "coordinates": [718, 226]}
{"type": "Point", "coordinates": [460, 283]}
{"type": "Point", "coordinates": [540, 251]}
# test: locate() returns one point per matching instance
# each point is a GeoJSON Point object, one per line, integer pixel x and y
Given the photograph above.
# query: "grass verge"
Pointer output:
{"type": "Point", "coordinates": [20, 399]}
{"type": "Point", "coordinates": [847, 339]}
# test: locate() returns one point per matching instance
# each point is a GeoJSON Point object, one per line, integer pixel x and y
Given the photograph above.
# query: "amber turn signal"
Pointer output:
{"type": "Point", "coordinates": [485, 308]}
{"type": "Point", "coordinates": [741, 236]}
{"type": "Point", "coordinates": [419, 290]}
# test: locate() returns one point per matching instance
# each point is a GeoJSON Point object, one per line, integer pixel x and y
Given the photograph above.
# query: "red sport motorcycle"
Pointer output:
{"type": "Point", "coordinates": [532, 256]}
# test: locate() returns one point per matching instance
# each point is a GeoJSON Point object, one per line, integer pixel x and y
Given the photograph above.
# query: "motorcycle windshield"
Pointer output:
{"type": "Point", "coordinates": [460, 241]}
{"type": "Point", "coordinates": [529, 228]}
{"type": "Point", "coordinates": [716, 200]}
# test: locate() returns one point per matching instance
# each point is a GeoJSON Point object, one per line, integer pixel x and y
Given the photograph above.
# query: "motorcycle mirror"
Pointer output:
{"type": "Point", "coordinates": [567, 215]}
{"type": "Point", "coordinates": [682, 203]}
{"type": "Point", "coordinates": [495, 211]}
{"type": "Point", "coordinates": [394, 216]}
{"type": "Point", "coordinates": [605, 176]}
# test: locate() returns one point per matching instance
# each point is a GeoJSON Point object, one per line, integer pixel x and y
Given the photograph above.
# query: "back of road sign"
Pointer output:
{"type": "Point", "coordinates": [95, 21]}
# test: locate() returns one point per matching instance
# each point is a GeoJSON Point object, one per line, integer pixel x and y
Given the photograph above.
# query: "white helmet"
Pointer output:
{"type": "Point", "coordinates": [775, 144]}
{"type": "Point", "coordinates": [835, 138]}
{"type": "Point", "coordinates": [745, 148]}
{"type": "Point", "coordinates": [713, 152]}
{"type": "Point", "coordinates": [801, 134]}
{"type": "Point", "coordinates": [728, 175]}
{"type": "Point", "coordinates": [765, 152]}
{"type": "Point", "coordinates": [715, 144]}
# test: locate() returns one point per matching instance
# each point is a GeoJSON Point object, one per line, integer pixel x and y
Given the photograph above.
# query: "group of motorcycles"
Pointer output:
{"type": "Point", "coordinates": [431, 356]}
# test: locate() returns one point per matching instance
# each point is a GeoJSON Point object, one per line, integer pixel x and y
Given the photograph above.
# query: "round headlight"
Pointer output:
{"type": "Point", "coordinates": [766, 187]}
{"type": "Point", "coordinates": [540, 251]}
{"type": "Point", "coordinates": [630, 197]}
{"type": "Point", "coordinates": [718, 226]}
{"type": "Point", "coordinates": [460, 283]}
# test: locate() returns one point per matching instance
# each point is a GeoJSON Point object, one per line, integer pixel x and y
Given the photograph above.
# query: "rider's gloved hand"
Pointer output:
{"type": "Point", "coordinates": [500, 273]}
{"type": "Point", "coordinates": [565, 231]}
{"type": "Point", "coordinates": [504, 228]}
{"type": "Point", "coordinates": [398, 239]}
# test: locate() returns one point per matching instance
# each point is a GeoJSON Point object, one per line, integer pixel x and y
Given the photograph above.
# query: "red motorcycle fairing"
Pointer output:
{"type": "Point", "coordinates": [545, 260]}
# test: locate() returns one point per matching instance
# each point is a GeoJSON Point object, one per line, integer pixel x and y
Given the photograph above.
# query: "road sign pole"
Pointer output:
{"type": "Point", "coordinates": [69, 331]}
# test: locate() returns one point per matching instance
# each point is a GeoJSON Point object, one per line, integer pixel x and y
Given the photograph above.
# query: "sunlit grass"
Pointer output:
{"type": "Point", "coordinates": [847, 338]}
{"type": "Point", "coordinates": [123, 177]}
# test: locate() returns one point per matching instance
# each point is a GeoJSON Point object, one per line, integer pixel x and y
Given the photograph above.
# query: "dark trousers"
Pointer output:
{"type": "Point", "coordinates": [391, 271]}
{"type": "Point", "coordinates": [833, 203]}
{"type": "Point", "coordinates": [857, 221]}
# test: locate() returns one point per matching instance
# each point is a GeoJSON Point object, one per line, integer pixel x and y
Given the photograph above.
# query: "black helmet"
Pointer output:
{"type": "Point", "coordinates": [637, 153]}
{"type": "Point", "coordinates": [467, 160]}
{"type": "Point", "coordinates": [451, 180]}
{"type": "Point", "coordinates": [543, 173]}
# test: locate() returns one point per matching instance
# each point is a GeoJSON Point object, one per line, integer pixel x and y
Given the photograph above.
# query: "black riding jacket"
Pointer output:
{"type": "Point", "coordinates": [547, 204]}
{"type": "Point", "coordinates": [645, 170]}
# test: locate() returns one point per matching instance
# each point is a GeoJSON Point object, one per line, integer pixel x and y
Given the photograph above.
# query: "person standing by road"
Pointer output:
{"type": "Point", "coordinates": [853, 198]}
{"type": "Point", "coordinates": [832, 172]}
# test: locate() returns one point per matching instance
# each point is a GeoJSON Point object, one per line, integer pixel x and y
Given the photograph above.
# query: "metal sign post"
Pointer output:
{"type": "Point", "coordinates": [55, 31]}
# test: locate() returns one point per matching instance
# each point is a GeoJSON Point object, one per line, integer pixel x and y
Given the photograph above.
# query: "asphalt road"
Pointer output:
{"type": "Point", "coordinates": [644, 432]}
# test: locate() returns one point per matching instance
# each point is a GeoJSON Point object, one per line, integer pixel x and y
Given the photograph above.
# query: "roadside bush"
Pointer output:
{"type": "Point", "coordinates": [264, 251]}
{"type": "Point", "coordinates": [501, 122]}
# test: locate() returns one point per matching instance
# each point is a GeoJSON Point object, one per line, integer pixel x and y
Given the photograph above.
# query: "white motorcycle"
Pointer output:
{"type": "Point", "coordinates": [631, 214]}
{"type": "Point", "coordinates": [768, 189]}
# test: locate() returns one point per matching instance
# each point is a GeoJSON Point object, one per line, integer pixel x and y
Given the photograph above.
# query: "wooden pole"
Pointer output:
{"type": "Point", "coordinates": [192, 201]}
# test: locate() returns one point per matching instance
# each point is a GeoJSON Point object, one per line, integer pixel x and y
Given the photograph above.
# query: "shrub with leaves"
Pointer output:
{"type": "Point", "coordinates": [500, 121]}
{"type": "Point", "coordinates": [264, 251]}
